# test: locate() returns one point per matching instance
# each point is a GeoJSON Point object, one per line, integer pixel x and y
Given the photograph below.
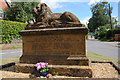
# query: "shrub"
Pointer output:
{"type": "Point", "coordinates": [109, 34]}
{"type": "Point", "coordinates": [106, 35]}
{"type": "Point", "coordinates": [10, 30]}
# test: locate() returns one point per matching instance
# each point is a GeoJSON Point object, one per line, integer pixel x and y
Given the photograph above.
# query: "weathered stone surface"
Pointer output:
{"type": "Point", "coordinates": [55, 60]}
{"type": "Point", "coordinates": [54, 45]}
{"type": "Point", "coordinates": [38, 26]}
{"type": "Point", "coordinates": [62, 79]}
{"type": "Point", "coordinates": [44, 16]}
{"type": "Point", "coordinates": [66, 70]}
{"type": "Point", "coordinates": [63, 30]}
{"type": "Point", "coordinates": [74, 71]}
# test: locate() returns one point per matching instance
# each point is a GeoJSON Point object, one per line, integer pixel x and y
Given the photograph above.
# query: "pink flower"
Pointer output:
{"type": "Point", "coordinates": [41, 65]}
{"type": "Point", "coordinates": [38, 67]}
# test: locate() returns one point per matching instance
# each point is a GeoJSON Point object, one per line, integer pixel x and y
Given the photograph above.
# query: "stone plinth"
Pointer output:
{"type": "Point", "coordinates": [55, 45]}
{"type": "Point", "coordinates": [61, 70]}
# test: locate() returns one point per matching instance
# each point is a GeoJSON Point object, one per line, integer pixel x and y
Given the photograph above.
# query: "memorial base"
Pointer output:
{"type": "Point", "coordinates": [55, 59]}
{"type": "Point", "coordinates": [60, 70]}
{"type": "Point", "coordinates": [56, 46]}
{"type": "Point", "coordinates": [64, 49]}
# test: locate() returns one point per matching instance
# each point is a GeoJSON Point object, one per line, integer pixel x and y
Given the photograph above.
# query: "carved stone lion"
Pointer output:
{"type": "Point", "coordinates": [44, 15]}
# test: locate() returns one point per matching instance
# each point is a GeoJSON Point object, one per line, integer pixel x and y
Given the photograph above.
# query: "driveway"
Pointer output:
{"type": "Point", "coordinates": [102, 48]}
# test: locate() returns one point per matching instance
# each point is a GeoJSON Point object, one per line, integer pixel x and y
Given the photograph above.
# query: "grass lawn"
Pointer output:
{"type": "Point", "coordinates": [91, 56]}
{"type": "Point", "coordinates": [98, 57]}
{"type": "Point", "coordinates": [11, 46]}
{"type": "Point", "coordinates": [9, 60]}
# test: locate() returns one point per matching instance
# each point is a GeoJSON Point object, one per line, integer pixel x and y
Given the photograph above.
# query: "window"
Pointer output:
{"type": "Point", "coordinates": [1, 13]}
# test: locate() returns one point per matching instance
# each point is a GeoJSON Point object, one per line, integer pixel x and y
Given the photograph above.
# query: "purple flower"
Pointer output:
{"type": "Point", "coordinates": [41, 65]}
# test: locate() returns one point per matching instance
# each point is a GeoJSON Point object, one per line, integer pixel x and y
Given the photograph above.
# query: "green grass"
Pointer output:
{"type": "Point", "coordinates": [107, 40]}
{"type": "Point", "coordinates": [98, 57]}
{"type": "Point", "coordinates": [9, 60]}
{"type": "Point", "coordinates": [16, 47]}
{"type": "Point", "coordinates": [11, 46]}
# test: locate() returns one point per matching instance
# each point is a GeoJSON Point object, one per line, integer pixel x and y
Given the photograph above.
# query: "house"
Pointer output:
{"type": "Point", "coordinates": [4, 4]}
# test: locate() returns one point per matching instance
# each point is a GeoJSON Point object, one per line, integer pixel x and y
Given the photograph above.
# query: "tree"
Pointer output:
{"type": "Point", "coordinates": [100, 16]}
{"type": "Point", "coordinates": [20, 11]}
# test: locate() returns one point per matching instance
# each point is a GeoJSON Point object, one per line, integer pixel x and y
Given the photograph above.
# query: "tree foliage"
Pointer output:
{"type": "Point", "coordinates": [20, 11]}
{"type": "Point", "coordinates": [100, 15]}
{"type": "Point", "coordinates": [104, 33]}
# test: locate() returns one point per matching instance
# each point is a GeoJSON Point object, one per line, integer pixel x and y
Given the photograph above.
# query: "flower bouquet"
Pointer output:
{"type": "Point", "coordinates": [43, 68]}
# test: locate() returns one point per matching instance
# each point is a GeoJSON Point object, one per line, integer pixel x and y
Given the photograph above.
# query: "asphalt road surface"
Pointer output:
{"type": "Point", "coordinates": [10, 53]}
{"type": "Point", "coordinates": [102, 48]}
{"type": "Point", "coordinates": [94, 46]}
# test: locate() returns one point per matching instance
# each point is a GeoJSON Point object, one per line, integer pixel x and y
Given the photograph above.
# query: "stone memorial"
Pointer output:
{"type": "Point", "coordinates": [55, 38]}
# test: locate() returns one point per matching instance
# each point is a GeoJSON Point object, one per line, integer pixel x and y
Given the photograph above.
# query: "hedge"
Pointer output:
{"type": "Point", "coordinates": [106, 35]}
{"type": "Point", "coordinates": [10, 30]}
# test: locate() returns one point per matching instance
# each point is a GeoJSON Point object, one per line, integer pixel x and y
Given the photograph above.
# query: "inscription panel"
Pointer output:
{"type": "Point", "coordinates": [64, 44]}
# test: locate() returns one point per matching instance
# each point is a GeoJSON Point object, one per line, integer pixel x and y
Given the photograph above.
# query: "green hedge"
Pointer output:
{"type": "Point", "coordinates": [10, 30]}
{"type": "Point", "coordinates": [106, 35]}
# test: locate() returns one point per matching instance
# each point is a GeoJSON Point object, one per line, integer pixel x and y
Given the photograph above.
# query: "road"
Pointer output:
{"type": "Point", "coordinates": [93, 45]}
{"type": "Point", "coordinates": [102, 48]}
{"type": "Point", "coordinates": [10, 53]}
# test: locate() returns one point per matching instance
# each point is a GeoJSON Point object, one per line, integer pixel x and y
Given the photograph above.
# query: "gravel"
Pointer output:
{"type": "Point", "coordinates": [8, 74]}
{"type": "Point", "coordinates": [104, 70]}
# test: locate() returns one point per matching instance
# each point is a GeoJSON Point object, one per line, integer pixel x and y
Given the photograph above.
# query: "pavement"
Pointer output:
{"type": "Point", "coordinates": [93, 45]}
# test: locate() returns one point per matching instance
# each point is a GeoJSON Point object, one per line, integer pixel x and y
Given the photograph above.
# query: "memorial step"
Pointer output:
{"type": "Point", "coordinates": [62, 70]}
{"type": "Point", "coordinates": [56, 59]}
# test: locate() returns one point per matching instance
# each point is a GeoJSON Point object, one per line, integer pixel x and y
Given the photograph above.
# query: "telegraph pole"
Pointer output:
{"type": "Point", "coordinates": [110, 21]}
{"type": "Point", "coordinates": [110, 16]}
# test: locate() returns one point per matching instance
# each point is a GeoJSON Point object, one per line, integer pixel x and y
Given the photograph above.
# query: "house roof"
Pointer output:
{"type": "Point", "coordinates": [8, 2]}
